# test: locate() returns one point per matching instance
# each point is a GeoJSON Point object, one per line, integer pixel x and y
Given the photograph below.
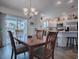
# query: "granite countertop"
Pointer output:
{"type": "Point", "coordinates": [68, 33]}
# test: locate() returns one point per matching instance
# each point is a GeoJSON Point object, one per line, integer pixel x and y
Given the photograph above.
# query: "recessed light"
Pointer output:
{"type": "Point", "coordinates": [58, 2]}
{"type": "Point", "coordinates": [42, 15]}
{"type": "Point", "coordinates": [70, 1]}
{"type": "Point", "coordinates": [63, 13]}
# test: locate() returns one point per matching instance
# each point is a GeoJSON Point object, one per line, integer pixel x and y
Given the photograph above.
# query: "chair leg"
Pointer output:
{"type": "Point", "coordinates": [24, 53]}
{"type": "Point", "coordinates": [70, 42]}
{"type": "Point", "coordinates": [57, 42]}
{"type": "Point", "coordinates": [67, 42]}
{"type": "Point", "coordinates": [12, 54]}
{"type": "Point", "coordinates": [76, 40]}
{"type": "Point", "coordinates": [73, 42]}
{"type": "Point", "coordinates": [15, 56]}
{"type": "Point", "coordinates": [53, 54]}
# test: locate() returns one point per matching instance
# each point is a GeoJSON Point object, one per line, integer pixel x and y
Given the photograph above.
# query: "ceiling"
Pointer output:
{"type": "Point", "coordinates": [46, 7]}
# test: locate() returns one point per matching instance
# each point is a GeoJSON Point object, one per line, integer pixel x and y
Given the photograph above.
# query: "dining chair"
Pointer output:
{"type": "Point", "coordinates": [47, 51]}
{"type": "Point", "coordinates": [39, 34]}
{"type": "Point", "coordinates": [16, 48]}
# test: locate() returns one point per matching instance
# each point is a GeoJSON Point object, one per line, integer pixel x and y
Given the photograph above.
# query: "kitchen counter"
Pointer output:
{"type": "Point", "coordinates": [62, 37]}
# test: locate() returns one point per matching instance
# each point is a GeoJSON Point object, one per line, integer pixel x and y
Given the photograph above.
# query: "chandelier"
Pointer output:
{"type": "Point", "coordinates": [29, 12]}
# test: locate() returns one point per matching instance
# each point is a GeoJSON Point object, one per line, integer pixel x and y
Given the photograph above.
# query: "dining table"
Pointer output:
{"type": "Point", "coordinates": [32, 43]}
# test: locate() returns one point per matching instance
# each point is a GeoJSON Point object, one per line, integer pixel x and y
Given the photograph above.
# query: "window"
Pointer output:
{"type": "Point", "coordinates": [45, 24]}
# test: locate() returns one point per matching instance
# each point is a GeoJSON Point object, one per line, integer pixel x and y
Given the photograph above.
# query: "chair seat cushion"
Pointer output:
{"type": "Point", "coordinates": [21, 48]}
{"type": "Point", "coordinates": [39, 52]}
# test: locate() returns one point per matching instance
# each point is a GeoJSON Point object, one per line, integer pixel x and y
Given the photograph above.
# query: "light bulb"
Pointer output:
{"type": "Point", "coordinates": [70, 1]}
{"type": "Point", "coordinates": [25, 9]}
{"type": "Point", "coordinates": [33, 9]}
{"type": "Point", "coordinates": [58, 2]}
{"type": "Point", "coordinates": [36, 13]}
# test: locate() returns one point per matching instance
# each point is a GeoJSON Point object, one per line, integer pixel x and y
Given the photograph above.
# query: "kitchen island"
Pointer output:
{"type": "Point", "coordinates": [64, 35]}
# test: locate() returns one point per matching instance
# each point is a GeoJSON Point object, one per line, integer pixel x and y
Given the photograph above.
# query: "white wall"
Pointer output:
{"type": "Point", "coordinates": [31, 28]}
{"type": "Point", "coordinates": [10, 11]}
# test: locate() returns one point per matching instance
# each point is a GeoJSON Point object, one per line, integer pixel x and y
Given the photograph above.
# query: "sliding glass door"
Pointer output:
{"type": "Point", "coordinates": [17, 25]}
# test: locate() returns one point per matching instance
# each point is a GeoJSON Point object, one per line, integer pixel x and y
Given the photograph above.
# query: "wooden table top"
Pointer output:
{"type": "Point", "coordinates": [33, 42]}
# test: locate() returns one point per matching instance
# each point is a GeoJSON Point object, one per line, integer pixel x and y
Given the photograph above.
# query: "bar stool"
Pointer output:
{"type": "Point", "coordinates": [71, 42]}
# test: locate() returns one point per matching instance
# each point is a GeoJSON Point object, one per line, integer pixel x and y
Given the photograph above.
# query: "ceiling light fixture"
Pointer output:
{"type": "Point", "coordinates": [70, 1]}
{"type": "Point", "coordinates": [29, 12]}
{"type": "Point", "coordinates": [58, 2]}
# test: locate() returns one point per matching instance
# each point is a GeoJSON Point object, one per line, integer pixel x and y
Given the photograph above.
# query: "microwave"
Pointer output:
{"type": "Point", "coordinates": [60, 25]}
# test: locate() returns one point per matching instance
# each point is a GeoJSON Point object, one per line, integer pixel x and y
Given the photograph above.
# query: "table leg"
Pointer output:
{"type": "Point", "coordinates": [53, 54]}
{"type": "Point", "coordinates": [30, 53]}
